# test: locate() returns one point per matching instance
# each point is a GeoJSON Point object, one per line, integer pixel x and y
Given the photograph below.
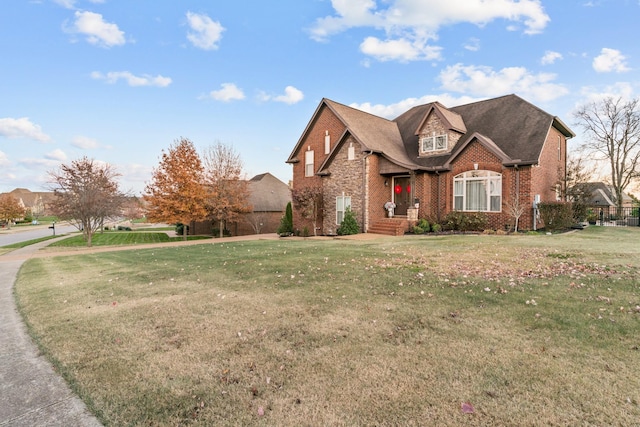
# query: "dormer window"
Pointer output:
{"type": "Point", "coordinates": [433, 143]}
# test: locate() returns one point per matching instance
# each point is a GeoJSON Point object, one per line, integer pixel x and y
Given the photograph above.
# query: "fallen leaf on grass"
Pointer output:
{"type": "Point", "coordinates": [467, 408]}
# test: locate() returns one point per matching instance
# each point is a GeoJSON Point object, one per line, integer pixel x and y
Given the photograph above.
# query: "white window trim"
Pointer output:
{"type": "Point", "coordinates": [308, 163]}
{"type": "Point", "coordinates": [488, 177]}
{"type": "Point", "coordinates": [345, 201]}
{"type": "Point", "coordinates": [433, 142]}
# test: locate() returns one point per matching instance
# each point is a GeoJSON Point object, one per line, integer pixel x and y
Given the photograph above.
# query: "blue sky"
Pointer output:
{"type": "Point", "coordinates": [119, 81]}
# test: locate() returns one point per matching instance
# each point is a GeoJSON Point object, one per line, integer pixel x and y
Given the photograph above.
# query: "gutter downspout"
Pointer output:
{"type": "Point", "coordinates": [438, 208]}
{"type": "Point", "coordinates": [365, 191]}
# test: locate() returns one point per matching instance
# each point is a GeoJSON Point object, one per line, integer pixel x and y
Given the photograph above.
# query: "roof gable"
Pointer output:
{"type": "Point", "coordinates": [485, 142]}
{"type": "Point", "coordinates": [450, 120]}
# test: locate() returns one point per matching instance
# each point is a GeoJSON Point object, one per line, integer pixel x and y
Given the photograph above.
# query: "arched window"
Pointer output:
{"type": "Point", "coordinates": [477, 191]}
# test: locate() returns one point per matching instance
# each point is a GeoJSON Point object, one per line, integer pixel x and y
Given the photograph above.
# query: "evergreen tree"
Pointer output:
{"type": "Point", "coordinates": [349, 224]}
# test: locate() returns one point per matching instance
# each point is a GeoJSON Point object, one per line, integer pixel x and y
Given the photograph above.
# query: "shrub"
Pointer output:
{"type": "Point", "coordinates": [424, 224]}
{"type": "Point", "coordinates": [123, 228]}
{"type": "Point", "coordinates": [465, 221]}
{"type": "Point", "coordinates": [349, 224]}
{"type": "Point", "coordinates": [286, 222]}
{"type": "Point", "coordinates": [436, 228]}
{"type": "Point", "coordinates": [180, 228]}
{"type": "Point", "coordinates": [305, 231]}
{"type": "Point", "coordinates": [418, 230]}
{"type": "Point", "coordinates": [556, 215]}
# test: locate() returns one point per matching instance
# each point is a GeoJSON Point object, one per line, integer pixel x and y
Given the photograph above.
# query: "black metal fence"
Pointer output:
{"type": "Point", "coordinates": [612, 216]}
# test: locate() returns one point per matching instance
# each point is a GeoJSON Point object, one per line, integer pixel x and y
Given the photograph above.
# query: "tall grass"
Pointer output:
{"type": "Point", "coordinates": [522, 330]}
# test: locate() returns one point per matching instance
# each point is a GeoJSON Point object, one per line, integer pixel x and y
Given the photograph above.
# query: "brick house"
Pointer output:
{"type": "Point", "coordinates": [268, 198]}
{"type": "Point", "coordinates": [430, 161]}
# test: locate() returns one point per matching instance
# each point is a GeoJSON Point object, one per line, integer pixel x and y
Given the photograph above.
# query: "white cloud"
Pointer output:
{"type": "Point", "coordinates": [622, 90]}
{"type": "Point", "coordinates": [57, 155]}
{"type": "Point", "coordinates": [418, 21]}
{"type": "Point", "coordinates": [484, 81]}
{"type": "Point", "coordinates": [85, 143]}
{"type": "Point", "coordinates": [610, 60]}
{"type": "Point", "coordinates": [291, 96]}
{"type": "Point", "coordinates": [205, 33]}
{"type": "Point", "coordinates": [402, 49]}
{"type": "Point", "coordinates": [550, 57]}
{"type": "Point", "coordinates": [228, 92]}
{"type": "Point", "coordinates": [392, 111]}
{"type": "Point", "coordinates": [22, 128]}
{"type": "Point", "coordinates": [131, 79]}
{"type": "Point", "coordinates": [473, 44]}
{"type": "Point", "coordinates": [4, 160]}
{"type": "Point", "coordinates": [67, 4]}
{"type": "Point", "coordinates": [97, 31]}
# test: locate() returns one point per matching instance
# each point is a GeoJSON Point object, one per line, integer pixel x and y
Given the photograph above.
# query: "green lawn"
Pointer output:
{"type": "Point", "coordinates": [528, 330]}
{"type": "Point", "coordinates": [117, 238]}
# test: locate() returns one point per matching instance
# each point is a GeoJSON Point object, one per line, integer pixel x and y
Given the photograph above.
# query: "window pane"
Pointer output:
{"type": "Point", "coordinates": [308, 163]}
{"type": "Point", "coordinates": [476, 196]}
{"type": "Point", "coordinates": [495, 203]}
{"type": "Point", "coordinates": [441, 142]}
{"type": "Point", "coordinates": [427, 144]}
{"type": "Point", "coordinates": [458, 188]}
{"type": "Point", "coordinates": [457, 201]}
{"type": "Point", "coordinates": [347, 202]}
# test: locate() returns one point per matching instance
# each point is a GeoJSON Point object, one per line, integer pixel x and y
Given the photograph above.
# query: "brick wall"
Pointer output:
{"type": "Point", "coordinates": [314, 139]}
{"type": "Point", "coordinates": [378, 193]}
{"type": "Point", "coordinates": [545, 177]}
{"type": "Point", "coordinates": [436, 190]}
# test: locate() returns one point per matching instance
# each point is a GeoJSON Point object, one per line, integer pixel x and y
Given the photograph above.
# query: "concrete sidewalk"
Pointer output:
{"type": "Point", "coordinates": [31, 392]}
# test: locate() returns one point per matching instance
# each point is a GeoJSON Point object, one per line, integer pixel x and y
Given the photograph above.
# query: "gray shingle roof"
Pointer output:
{"type": "Point", "coordinates": [509, 125]}
{"type": "Point", "coordinates": [268, 194]}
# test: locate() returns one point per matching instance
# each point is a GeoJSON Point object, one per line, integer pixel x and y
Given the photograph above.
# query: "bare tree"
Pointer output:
{"type": "Point", "coordinates": [515, 209]}
{"type": "Point", "coordinates": [308, 202]}
{"type": "Point", "coordinates": [10, 209]}
{"type": "Point", "coordinates": [612, 129]}
{"type": "Point", "coordinates": [577, 186]}
{"type": "Point", "coordinates": [257, 220]}
{"type": "Point", "coordinates": [227, 192]}
{"type": "Point", "coordinates": [86, 193]}
{"type": "Point", "coordinates": [176, 193]}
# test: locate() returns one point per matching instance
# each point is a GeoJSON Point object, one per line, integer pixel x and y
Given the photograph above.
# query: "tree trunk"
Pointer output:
{"type": "Point", "coordinates": [221, 226]}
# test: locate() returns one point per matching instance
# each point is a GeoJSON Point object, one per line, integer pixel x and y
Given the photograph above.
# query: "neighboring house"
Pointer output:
{"type": "Point", "coordinates": [429, 161]}
{"type": "Point", "coordinates": [268, 197]}
{"type": "Point", "coordinates": [35, 202]}
{"type": "Point", "coordinates": [603, 194]}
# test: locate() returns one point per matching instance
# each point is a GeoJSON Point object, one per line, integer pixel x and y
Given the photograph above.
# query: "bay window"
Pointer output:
{"type": "Point", "coordinates": [477, 191]}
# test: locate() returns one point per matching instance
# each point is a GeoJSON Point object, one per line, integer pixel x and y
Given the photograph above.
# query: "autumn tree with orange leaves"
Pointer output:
{"type": "Point", "coordinates": [176, 193]}
{"type": "Point", "coordinates": [227, 191]}
{"type": "Point", "coordinates": [10, 209]}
